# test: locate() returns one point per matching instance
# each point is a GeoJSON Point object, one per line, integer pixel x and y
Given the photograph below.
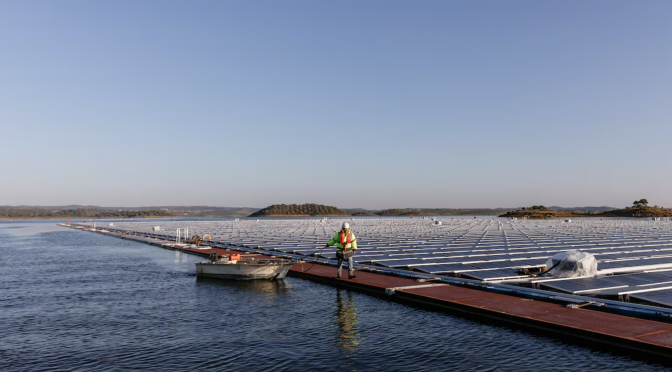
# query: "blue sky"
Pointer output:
{"type": "Point", "coordinates": [370, 104]}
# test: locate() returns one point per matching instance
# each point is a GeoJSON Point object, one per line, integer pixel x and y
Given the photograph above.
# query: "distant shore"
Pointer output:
{"type": "Point", "coordinates": [302, 215]}
{"type": "Point", "coordinates": [633, 212]}
{"type": "Point", "coordinates": [82, 218]}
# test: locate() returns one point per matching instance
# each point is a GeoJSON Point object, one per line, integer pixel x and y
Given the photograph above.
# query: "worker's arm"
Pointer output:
{"type": "Point", "coordinates": [333, 241]}
{"type": "Point", "coordinates": [353, 241]}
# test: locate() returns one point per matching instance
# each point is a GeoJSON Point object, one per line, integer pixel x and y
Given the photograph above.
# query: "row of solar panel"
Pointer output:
{"type": "Point", "coordinates": [615, 283]}
{"type": "Point", "coordinates": [496, 251]}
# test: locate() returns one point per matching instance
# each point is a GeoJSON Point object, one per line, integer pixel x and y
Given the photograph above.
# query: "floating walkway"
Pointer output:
{"type": "Point", "coordinates": [565, 317]}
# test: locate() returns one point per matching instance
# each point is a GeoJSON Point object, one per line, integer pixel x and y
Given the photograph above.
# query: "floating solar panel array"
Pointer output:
{"type": "Point", "coordinates": [482, 249]}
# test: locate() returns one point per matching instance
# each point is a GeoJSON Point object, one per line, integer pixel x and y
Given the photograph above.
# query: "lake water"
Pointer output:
{"type": "Point", "coordinates": [78, 301]}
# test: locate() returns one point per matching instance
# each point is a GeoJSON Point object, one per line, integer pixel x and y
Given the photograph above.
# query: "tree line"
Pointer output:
{"type": "Point", "coordinates": [299, 210]}
{"type": "Point", "coordinates": [14, 212]}
{"type": "Point", "coordinates": [435, 212]}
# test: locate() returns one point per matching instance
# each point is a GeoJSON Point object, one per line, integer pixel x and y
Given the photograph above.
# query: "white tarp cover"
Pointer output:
{"type": "Point", "coordinates": [571, 264]}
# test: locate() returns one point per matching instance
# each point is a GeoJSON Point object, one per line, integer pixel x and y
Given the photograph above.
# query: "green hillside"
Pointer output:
{"type": "Point", "coordinates": [640, 208]}
{"type": "Point", "coordinates": [279, 210]}
{"type": "Point", "coordinates": [538, 212]}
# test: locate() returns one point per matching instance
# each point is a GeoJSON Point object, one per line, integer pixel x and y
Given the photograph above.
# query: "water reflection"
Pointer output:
{"type": "Point", "coordinates": [181, 257]}
{"type": "Point", "coordinates": [24, 229]}
{"type": "Point", "coordinates": [261, 287]}
{"type": "Point", "coordinates": [347, 337]}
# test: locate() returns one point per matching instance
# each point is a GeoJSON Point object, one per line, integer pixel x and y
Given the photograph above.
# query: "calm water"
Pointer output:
{"type": "Point", "coordinates": [78, 301]}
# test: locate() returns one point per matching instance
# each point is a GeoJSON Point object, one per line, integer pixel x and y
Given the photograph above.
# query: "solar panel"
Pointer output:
{"type": "Point", "coordinates": [499, 264]}
{"type": "Point", "coordinates": [663, 297]}
{"type": "Point", "coordinates": [581, 284]}
{"type": "Point", "coordinates": [441, 268]}
{"type": "Point", "coordinates": [492, 274]}
{"type": "Point", "coordinates": [620, 282]}
{"type": "Point", "coordinates": [481, 249]}
{"type": "Point", "coordinates": [610, 265]}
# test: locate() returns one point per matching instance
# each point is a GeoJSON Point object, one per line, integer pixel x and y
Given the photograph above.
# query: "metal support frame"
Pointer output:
{"type": "Point", "coordinates": [393, 290]}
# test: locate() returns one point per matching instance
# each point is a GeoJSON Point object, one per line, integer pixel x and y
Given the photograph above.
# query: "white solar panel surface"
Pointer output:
{"type": "Point", "coordinates": [483, 249]}
{"type": "Point", "coordinates": [458, 245]}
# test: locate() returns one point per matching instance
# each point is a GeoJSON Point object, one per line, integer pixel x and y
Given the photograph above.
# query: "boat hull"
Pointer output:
{"type": "Point", "coordinates": [242, 271]}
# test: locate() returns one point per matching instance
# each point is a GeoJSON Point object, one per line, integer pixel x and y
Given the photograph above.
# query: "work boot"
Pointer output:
{"type": "Point", "coordinates": [351, 276]}
{"type": "Point", "coordinates": [338, 276]}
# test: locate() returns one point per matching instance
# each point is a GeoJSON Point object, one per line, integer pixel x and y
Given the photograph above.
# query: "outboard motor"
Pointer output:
{"type": "Point", "coordinates": [213, 256]}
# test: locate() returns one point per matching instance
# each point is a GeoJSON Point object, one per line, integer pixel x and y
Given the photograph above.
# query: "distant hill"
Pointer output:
{"type": "Point", "coordinates": [582, 209]}
{"type": "Point", "coordinates": [645, 211]}
{"type": "Point", "coordinates": [199, 211]}
{"type": "Point", "coordinates": [538, 212]}
{"type": "Point", "coordinates": [295, 210]}
{"type": "Point", "coordinates": [463, 211]}
{"type": "Point", "coordinates": [180, 211]}
{"type": "Point", "coordinates": [640, 208]}
{"type": "Point", "coordinates": [364, 213]}
{"type": "Point", "coordinates": [427, 211]}
{"type": "Point", "coordinates": [440, 211]}
{"type": "Point", "coordinates": [28, 212]}
{"type": "Point", "coordinates": [214, 212]}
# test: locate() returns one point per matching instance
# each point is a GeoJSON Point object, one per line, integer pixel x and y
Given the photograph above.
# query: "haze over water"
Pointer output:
{"type": "Point", "coordinates": [73, 300]}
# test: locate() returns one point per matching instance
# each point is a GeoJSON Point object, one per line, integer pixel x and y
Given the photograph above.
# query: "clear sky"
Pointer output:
{"type": "Point", "coordinates": [371, 104]}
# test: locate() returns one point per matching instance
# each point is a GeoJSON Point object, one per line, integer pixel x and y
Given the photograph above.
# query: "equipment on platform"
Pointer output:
{"type": "Point", "coordinates": [235, 267]}
{"type": "Point", "coordinates": [572, 263]}
{"type": "Point", "coordinates": [195, 239]}
{"type": "Point", "coordinates": [156, 228]}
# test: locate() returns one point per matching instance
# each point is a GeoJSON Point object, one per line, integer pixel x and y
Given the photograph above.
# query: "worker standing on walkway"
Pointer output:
{"type": "Point", "coordinates": [346, 246]}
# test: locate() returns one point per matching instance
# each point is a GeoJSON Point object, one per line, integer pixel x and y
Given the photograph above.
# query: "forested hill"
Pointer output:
{"type": "Point", "coordinates": [640, 208]}
{"type": "Point", "coordinates": [279, 210]}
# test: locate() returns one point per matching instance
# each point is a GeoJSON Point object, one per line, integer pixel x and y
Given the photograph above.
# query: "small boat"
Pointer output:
{"type": "Point", "coordinates": [236, 268]}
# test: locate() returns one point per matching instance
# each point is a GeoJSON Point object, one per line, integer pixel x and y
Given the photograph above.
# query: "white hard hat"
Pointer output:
{"type": "Point", "coordinates": [346, 225]}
